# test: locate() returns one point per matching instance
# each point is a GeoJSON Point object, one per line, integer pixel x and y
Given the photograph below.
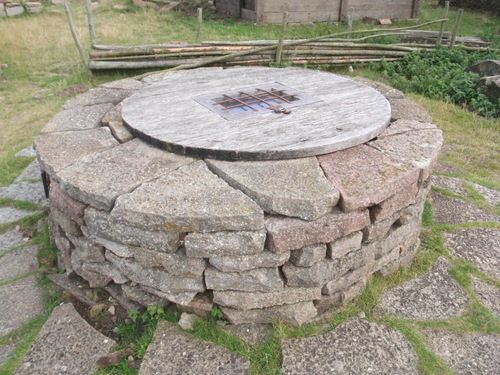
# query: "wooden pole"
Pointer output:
{"type": "Point", "coordinates": [279, 48]}
{"type": "Point", "coordinates": [455, 28]}
{"type": "Point", "coordinates": [349, 23]}
{"type": "Point", "coordinates": [75, 36]}
{"type": "Point", "coordinates": [289, 44]}
{"type": "Point", "coordinates": [90, 19]}
{"type": "Point", "coordinates": [415, 8]}
{"type": "Point", "coordinates": [198, 28]}
{"type": "Point", "coordinates": [441, 30]}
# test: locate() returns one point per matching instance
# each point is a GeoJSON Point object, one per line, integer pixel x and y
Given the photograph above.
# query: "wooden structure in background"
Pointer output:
{"type": "Point", "coordinates": [303, 11]}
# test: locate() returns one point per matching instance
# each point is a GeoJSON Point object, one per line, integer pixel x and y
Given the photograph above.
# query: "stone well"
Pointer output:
{"type": "Point", "coordinates": [162, 198]}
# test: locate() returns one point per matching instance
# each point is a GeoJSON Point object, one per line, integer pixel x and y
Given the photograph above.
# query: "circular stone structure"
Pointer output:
{"type": "Point", "coordinates": [159, 219]}
{"type": "Point", "coordinates": [225, 114]}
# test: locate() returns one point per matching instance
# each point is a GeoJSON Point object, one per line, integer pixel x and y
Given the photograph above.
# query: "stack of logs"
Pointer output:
{"type": "Point", "coordinates": [328, 51]}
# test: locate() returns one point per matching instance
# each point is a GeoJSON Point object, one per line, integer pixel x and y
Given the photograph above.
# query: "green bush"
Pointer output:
{"type": "Point", "coordinates": [440, 74]}
{"type": "Point", "coordinates": [484, 5]}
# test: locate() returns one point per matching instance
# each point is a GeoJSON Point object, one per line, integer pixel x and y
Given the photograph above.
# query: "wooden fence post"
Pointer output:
{"type": "Point", "coordinates": [75, 36]}
{"type": "Point", "coordinates": [198, 28]}
{"type": "Point", "coordinates": [279, 48]}
{"type": "Point", "coordinates": [455, 28]}
{"type": "Point", "coordinates": [90, 19]}
{"type": "Point", "coordinates": [441, 31]}
{"type": "Point", "coordinates": [349, 23]}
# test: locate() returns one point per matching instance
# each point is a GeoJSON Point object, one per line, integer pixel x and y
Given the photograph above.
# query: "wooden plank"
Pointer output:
{"type": "Point", "coordinates": [344, 114]}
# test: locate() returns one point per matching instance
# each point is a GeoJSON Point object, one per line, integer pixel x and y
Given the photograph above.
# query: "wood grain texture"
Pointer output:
{"type": "Point", "coordinates": [346, 113]}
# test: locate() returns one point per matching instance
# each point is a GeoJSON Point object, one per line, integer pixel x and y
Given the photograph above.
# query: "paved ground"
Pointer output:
{"type": "Point", "coordinates": [68, 345]}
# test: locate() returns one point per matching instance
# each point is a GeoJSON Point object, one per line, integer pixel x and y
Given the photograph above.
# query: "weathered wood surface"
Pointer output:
{"type": "Point", "coordinates": [345, 114]}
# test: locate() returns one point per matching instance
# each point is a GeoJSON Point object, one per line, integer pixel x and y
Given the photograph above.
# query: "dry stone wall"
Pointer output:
{"type": "Point", "coordinates": [9, 8]}
{"type": "Point", "coordinates": [266, 240]}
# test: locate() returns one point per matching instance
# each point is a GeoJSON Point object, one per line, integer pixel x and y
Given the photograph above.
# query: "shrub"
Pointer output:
{"type": "Point", "coordinates": [484, 5]}
{"type": "Point", "coordinates": [440, 74]}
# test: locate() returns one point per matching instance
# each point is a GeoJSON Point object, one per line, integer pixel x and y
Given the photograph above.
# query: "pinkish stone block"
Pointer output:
{"type": "Point", "coordinates": [416, 142]}
{"type": "Point", "coordinates": [71, 207]}
{"type": "Point", "coordinates": [398, 201]}
{"type": "Point", "coordinates": [285, 233]}
{"type": "Point", "coordinates": [366, 176]}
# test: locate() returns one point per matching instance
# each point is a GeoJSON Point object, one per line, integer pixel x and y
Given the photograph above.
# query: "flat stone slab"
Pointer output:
{"type": "Point", "coordinates": [174, 352]}
{"type": "Point", "coordinates": [492, 196]}
{"type": "Point", "coordinates": [10, 239]}
{"type": "Point", "coordinates": [416, 142]}
{"type": "Point", "coordinates": [404, 109]}
{"type": "Point", "coordinates": [22, 300]}
{"type": "Point", "coordinates": [98, 95]}
{"type": "Point", "coordinates": [366, 176]}
{"type": "Point", "coordinates": [57, 150]}
{"type": "Point", "coordinates": [480, 246]}
{"type": "Point", "coordinates": [19, 262]}
{"type": "Point", "coordinates": [447, 210]}
{"type": "Point", "coordinates": [296, 187]}
{"type": "Point", "coordinates": [471, 354]}
{"type": "Point", "coordinates": [25, 191]}
{"type": "Point", "coordinates": [328, 113]}
{"type": "Point", "coordinates": [78, 118]}
{"type": "Point", "coordinates": [32, 172]}
{"type": "Point", "coordinates": [117, 171]}
{"type": "Point", "coordinates": [433, 296]}
{"type": "Point", "coordinates": [189, 199]}
{"type": "Point", "coordinates": [452, 184]}
{"type": "Point", "coordinates": [126, 83]}
{"type": "Point", "coordinates": [488, 294]}
{"type": "Point", "coordinates": [355, 347]}
{"type": "Point", "coordinates": [10, 214]}
{"type": "Point", "coordinates": [67, 344]}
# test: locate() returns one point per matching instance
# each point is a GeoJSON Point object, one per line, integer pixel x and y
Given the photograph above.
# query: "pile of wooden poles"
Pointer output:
{"type": "Point", "coordinates": [333, 49]}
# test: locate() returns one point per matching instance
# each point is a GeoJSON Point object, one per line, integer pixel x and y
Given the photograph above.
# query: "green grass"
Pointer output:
{"type": "Point", "coordinates": [43, 60]}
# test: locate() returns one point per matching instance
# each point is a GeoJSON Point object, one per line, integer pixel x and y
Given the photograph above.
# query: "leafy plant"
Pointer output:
{"type": "Point", "coordinates": [440, 74]}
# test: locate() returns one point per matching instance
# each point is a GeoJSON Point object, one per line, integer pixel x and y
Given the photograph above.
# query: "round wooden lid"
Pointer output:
{"type": "Point", "coordinates": [256, 113]}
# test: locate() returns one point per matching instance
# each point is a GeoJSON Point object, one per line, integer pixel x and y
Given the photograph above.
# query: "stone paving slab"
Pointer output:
{"type": "Point", "coordinates": [117, 171]}
{"type": "Point", "coordinates": [31, 172]}
{"type": "Point", "coordinates": [174, 352]}
{"type": "Point", "coordinates": [466, 354]}
{"type": "Point", "coordinates": [10, 239]}
{"type": "Point", "coordinates": [67, 344]}
{"type": "Point", "coordinates": [433, 296]}
{"type": "Point", "coordinates": [26, 152]}
{"type": "Point", "coordinates": [6, 351]}
{"type": "Point", "coordinates": [57, 150]}
{"type": "Point", "coordinates": [453, 184]}
{"type": "Point", "coordinates": [488, 294]}
{"type": "Point", "coordinates": [19, 262]}
{"type": "Point", "coordinates": [447, 210]}
{"type": "Point", "coordinates": [25, 191]}
{"type": "Point", "coordinates": [189, 199]}
{"type": "Point", "coordinates": [78, 118]}
{"type": "Point", "coordinates": [480, 246]}
{"type": "Point", "coordinates": [22, 300]}
{"type": "Point", "coordinates": [295, 187]}
{"type": "Point", "coordinates": [10, 214]}
{"type": "Point", "coordinates": [492, 196]}
{"type": "Point", "coordinates": [355, 347]}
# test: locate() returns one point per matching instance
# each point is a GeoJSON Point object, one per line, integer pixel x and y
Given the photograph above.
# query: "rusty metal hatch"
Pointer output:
{"type": "Point", "coordinates": [267, 98]}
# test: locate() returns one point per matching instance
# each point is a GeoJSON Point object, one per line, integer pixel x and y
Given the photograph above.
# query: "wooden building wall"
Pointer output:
{"type": "Point", "coordinates": [302, 11]}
